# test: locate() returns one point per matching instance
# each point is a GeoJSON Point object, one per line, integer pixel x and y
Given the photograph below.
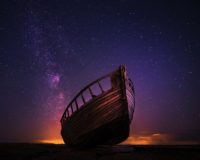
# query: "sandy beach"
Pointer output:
{"type": "Point", "coordinates": [11, 151]}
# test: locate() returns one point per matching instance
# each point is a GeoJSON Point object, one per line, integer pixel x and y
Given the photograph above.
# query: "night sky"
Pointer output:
{"type": "Point", "coordinates": [49, 50]}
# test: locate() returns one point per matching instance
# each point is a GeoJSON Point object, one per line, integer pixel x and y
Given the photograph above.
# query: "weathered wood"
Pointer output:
{"type": "Point", "coordinates": [105, 118]}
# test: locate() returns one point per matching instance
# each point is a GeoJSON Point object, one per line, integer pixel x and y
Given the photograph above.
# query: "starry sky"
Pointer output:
{"type": "Point", "coordinates": [49, 50]}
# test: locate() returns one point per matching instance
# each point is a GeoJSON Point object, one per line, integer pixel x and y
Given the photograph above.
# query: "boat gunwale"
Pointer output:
{"type": "Point", "coordinates": [85, 88]}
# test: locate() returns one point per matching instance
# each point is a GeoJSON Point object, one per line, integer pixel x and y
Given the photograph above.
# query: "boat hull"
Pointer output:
{"type": "Point", "coordinates": [105, 119]}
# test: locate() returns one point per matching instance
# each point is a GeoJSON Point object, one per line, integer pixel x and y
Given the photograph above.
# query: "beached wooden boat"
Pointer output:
{"type": "Point", "coordinates": [100, 114]}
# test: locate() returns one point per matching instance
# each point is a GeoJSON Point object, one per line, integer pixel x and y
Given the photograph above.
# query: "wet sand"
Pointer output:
{"type": "Point", "coordinates": [11, 151]}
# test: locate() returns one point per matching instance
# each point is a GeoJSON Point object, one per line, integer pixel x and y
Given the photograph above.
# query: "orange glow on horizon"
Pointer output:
{"type": "Point", "coordinates": [147, 139]}
{"type": "Point", "coordinates": [155, 139]}
{"type": "Point", "coordinates": [51, 141]}
{"type": "Point", "coordinates": [50, 133]}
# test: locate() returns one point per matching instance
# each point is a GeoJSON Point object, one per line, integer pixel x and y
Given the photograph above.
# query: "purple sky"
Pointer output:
{"type": "Point", "coordinates": [49, 50]}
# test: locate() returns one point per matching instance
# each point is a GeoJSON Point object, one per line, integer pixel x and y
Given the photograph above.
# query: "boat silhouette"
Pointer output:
{"type": "Point", "coordinates": [101, 113]}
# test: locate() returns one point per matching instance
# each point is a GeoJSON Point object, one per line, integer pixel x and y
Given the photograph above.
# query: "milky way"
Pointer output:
{"type": "Point", "coordinates": [44, 57]}
{"type": "Point", "coordinates": [51, 50]}
{"type": "Point", "coordinates": [46, 40]}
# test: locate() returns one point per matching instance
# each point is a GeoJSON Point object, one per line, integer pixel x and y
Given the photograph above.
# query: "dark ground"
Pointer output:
{"type": "Point", "coordinates": [127, 152]}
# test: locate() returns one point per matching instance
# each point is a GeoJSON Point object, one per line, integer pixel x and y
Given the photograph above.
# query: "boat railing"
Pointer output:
{"type": "Point", "coordinates": [81, 99]}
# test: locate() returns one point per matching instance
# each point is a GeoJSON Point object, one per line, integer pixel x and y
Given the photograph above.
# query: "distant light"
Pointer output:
{"type": "Point", "coordinates": [51, 141]}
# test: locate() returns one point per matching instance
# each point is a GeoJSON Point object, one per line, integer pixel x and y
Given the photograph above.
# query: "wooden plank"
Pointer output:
{"type": "Point", "coordinates": [83, 98]}
{"type": "Point", "coordinates": [100, 87]}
